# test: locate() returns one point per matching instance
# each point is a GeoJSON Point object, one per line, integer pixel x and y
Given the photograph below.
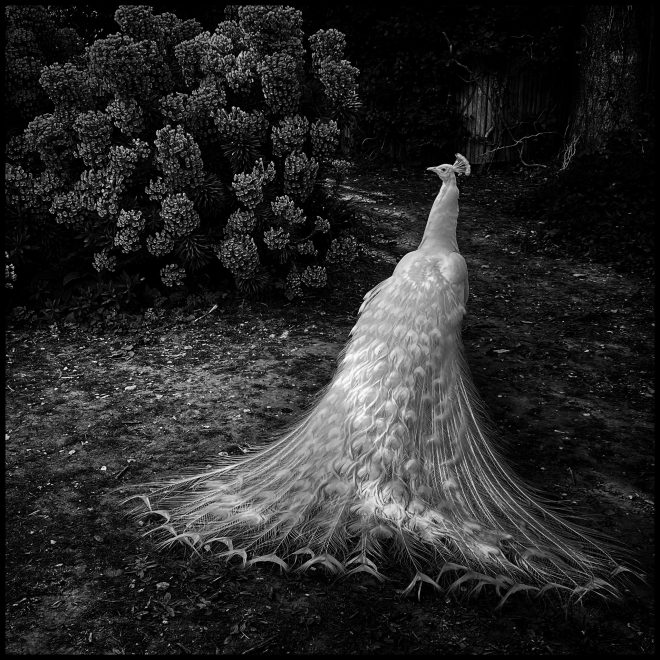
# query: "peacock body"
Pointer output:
{"type": "Point", "coordinates": [394, 459]}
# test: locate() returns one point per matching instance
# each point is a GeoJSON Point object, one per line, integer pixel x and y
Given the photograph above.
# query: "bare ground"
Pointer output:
{"type": "Point", "coordinates": [561, 350]}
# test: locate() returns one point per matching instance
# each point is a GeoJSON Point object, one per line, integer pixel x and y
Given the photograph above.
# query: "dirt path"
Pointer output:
{"type": "Point", "coordinates": [562, 352]}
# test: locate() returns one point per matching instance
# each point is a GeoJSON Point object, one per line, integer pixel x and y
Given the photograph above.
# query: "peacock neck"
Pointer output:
{"type": "Point", "coordinates": [440, 233]}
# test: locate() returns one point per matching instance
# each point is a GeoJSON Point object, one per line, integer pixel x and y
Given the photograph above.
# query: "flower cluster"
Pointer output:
{"type": "Point", "coordinates": [292, 286]}
{"type": "Point", "coordinates": [43, 190]}
{"type": "Point", "coordinates": [10, 273]}
{"type": "Point", "coordinates": [314, 276]}
{"type": "Point", "coordinates": [130, 225]}
{"type": "Point", "coordinates": [327, 44]}
{"type": "Point", "coordinates": [240, 223]}
{"type": "Point", "coordinates": [178, 215]}
{"type": "Point", "coordinates": [237, 123]}
{"type": "Point", "coordinates": [202, 104]}
{"type": "Point", "coordinates": [19, 185]}
{"type": "Point", "coordinates": [239, 254]}
{"type": "Point", "coordinates": [100, 193]}
{"type": "Point", "coordinates": [165, 29]}
{"type": "Point", "coordinates": [137, 21]}
{"type": "Point", "coordinates": [195, 110]}
{"type": "Point", "coordinates": [52, 138]}
{"type": "Point", "coordinates": [94, 130]}
{"type": "Point", "coordinates": [325, 138]}
{"type": "Point", "coordinates": [242, 76]}
{"type": "Point", "coordinates": [179, 158]}
{"type": "Point", "coordinates": [307, 248]}
{"type": "Point", "coordinates": [340, 168]}
{"type": "Point", "coordinates": [66, 85]}
{"type": "Point", "coordinates": [272, 29]}
{"type": "Point", "coordinates": [172, 275]}
{"type": "Point", "coordinates": [339, 80]}
{"type": "Point", "coordinates": [218, 59]}
{"type": "Point", "coordinates": [321, 225]}
{"type": "Point", "coordinates": [286, 211]}
{"type": "Point", "coordinates": [248, 186]}
{"type": "Point", "coordinates": [128, 67]}
{"type": "Point", "coordinates": [234, 32]}
{"type": "Point", "coordinates": [66, 207]}
{"type": "Point", "coordinates": [15, 148]}
{"type": "Point", "coordinates": [100, 189]}
{"type": "Point", "coordinates": [35, 35]}
{"type": "Point", "coordinates": [342, 251]}
{"type": "Point", "coordinates": [289, 135]}
{"type": "Point", "coordinates": [280, 83]}
{"type": "Point", "coordinates": [126, 115]}
{"type": "Point", "coordinates": [174, 106]}
{"type": "Point", "coordinates": [299, 175]}
{"type": "Point", "coordinates": [189, 55]}
{"type": "Point", "coordinates": [277, 238]}
{"type": "Point", "coordinates": [103, 260]}
{"type": "Point", "coordinates": [157, 189]}
{"type": "Point", "coordinates": [22, 84]}
{"type": "Point", "coordinates": [205, 55]}
{"type": "Point", "coordinates": [160, 243]}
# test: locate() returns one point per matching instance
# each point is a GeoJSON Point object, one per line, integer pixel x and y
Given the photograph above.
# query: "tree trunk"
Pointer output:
{"type": "Point", "coordinates": [609, 79]}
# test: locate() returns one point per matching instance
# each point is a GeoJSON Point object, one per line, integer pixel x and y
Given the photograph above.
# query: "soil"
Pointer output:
{"type": "Point", "coordinates": [561, 350]}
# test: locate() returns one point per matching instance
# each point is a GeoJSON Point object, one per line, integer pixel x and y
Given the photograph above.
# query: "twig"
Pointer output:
{"type": "Point", "coordinates": [522, 160]}
{"type": "Point", "coordinates": [518, 141]}
{"type": "Point", "coordinates": [260, 645]}
{"type": "Point", "coordinates": [122, 471]}
{"type": "Point", "coordinates": [207, 313]}
{"type": "Point", "coordinates": [572, 476]}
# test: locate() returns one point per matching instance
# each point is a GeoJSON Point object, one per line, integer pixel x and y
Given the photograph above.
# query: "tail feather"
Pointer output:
{"type": "Point", "coordinates": [393, 460]}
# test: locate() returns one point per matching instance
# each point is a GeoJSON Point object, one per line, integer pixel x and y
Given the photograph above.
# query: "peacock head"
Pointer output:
{"type": "Point", "coordinates": [446, 172]}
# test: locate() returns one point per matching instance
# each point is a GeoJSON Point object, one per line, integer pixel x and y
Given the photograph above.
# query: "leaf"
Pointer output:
{"type": "Point", "coordinates": [70, 277]}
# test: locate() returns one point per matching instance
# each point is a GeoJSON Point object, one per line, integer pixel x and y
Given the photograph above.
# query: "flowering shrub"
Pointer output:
{"type": "Point", "coordinates": [172, 275]}
{"type": "Point", "coordinates": [35, 37]}
{"type": "Point", "coordinates": [165, 148]}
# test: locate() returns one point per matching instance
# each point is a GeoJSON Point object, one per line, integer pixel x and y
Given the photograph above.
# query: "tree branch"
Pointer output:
{"type": "Point", "coordinates": [518, 142]}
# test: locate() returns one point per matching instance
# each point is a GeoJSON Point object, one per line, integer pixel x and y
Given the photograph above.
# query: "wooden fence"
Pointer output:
{"type": "Point", "coordinates": [499, 109]}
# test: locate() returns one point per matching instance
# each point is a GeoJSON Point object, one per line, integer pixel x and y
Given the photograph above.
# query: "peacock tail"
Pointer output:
{"type": "Point", "coordinates": [393, 463]}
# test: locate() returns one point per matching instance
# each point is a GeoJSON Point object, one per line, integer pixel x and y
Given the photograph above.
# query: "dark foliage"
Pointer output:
{"type": "Point", "coordinates": [602, 206]}
{"type": "Point", "coordinates": [414, 58]}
